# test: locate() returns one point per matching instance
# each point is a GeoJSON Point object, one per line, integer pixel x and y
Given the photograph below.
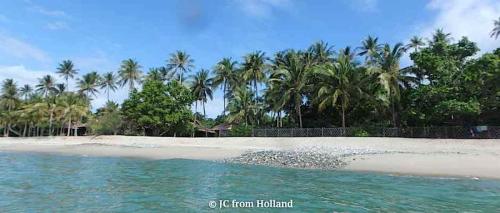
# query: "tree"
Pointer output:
{"type": "Point", "coordinates": [89, 83]}
{"type": "Point", "coordinates": [180, 62]}
{"type": "Point", "coordinates": [321, 52]}
{"type": "Point", "coordinates": [108, 83]}
{"type": "Point", "coordinates": [9, 101]}
{"type": "Point", "coordinates": [26, 91]}
{"type": "Point", "coordinates": [254, 68]}
{"type": "Point", "coordinates": [66, 70]}
{"type": "Point", "coordinates": [240, 106]}
{"type": "Point", "coordinates": [291, 78]}
{"type": "Point", "coordinates": [74, 108]}
{"type": "Point", "coordinates": [108, 119]}
{"type": "Point", "coordinates": [225, 72]}
{"type": "Point", "coordinates": [130, 73]}
{"type": "Point", "coordinates": [389, 75]}
{"type": "Point", "coordinates": [160, 109]}
{"type": "Point", "coordinates": [46, 85]}
{"type": "Point", "coordinates": [201, 88]}
{"type": "Point", "coordinates": [370, 49]}
{"type": "Point", "coordinates": [496, 29]}
{"type": "Point", "coordinates": [339, 84]}
{"type": "Point", "coordinates": [415, 43]}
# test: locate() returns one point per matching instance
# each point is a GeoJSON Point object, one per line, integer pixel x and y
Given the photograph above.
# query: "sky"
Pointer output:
{"type": "Point", "coordinates": [36, 35]}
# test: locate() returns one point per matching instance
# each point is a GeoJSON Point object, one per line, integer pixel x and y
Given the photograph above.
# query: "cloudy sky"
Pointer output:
{"type": "Point", "coordinates": [36, 35]}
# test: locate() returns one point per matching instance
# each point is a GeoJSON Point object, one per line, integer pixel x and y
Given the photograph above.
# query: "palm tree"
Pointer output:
{"type": "Point", "coordinates": [60, 89]}
{"type": "Point", "coordinates": [9, 100]}
{"type": "Point", "coordinates": [202, 89]}
{"type": "Point", "coordinates": [254, 68]}
{"type": "Point", "coordinates": [291, 79]}
{"type": "Point", "coordinates": [26, 91]}
{"type": "Point", "coordinates": [496, 29]}
{"type": "Point", "coordinates": [180, 62]}
{"type": "Point", "coordinates": [225, 71]}
{"type": "Point", "coordinates": [416, 42]}
{"type": "Point", "coordinates": [339, 83]}
{"type": "Point", "coordinates": [46, 85]}
{"type": "Point", "coordinates": [240, 105]}
{"type": "Point", "coordinates": [74, 107]}
{"type": "Point", "coordinates": [130, 73]}
{"type": "Point", "coordinates": [321, 52]}
{"type": "Point", "coordinates": [88, 84]}
{"type": "Point", "coordinates": [389, 75]}
{"type": "Point", "coordinates": [369, 49]}
{"type": "Point", "coordinates": [66, 70]}
{"type": "Point", "coordinates": [108, 83]}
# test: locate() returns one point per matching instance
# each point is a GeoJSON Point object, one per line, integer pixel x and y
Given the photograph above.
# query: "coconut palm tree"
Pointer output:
{"type": "Point", "coordinates": [291, 78]}
{"type": "Point", "coordinates": [202, 89]}
{"type": "Point", "coordinates": [108, 83]}
{"type": "Point", "coordinates": [46, 85]}
{"type": "Point", "coordinates": [240, 105]}
{"type": "Point", "coordinates": [321, 52]}
{"type": "Point", "coordinates": [339, 82]}
{"type": "Point", "coordinates": [225, 71]}
{"type": "Point", "coordinates": [26, 91]}
{"type": "Point", "coordinates": [254, 68]}
{"type": "Point", "coordinates": [496, 28]}
{"type": "Point", "coordinates": [180, 62]}
{"type": "Point", "coordinates": [74, 108]}
{"type": "Point", "coordinates": [67, 70]}
{"type": "Point", "coordinates": [389, 75]}
{"type": "Point", "coordinates": [88, 84]}
{"type": "Point", "coordinates": [130, 73]}
{"type": "Point", "coordinates": [369, 48]}
{"type": "Point", "coordinates": [416, 42]}
{"type": "Point", "coordinates": [8, 100]}
{"type": "Point", "coordinates": [60, 89]}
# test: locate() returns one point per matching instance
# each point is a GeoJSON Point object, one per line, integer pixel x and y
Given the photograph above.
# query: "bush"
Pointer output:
{"type": "Point", "coordinates": [241, 131]}
{"type": "Point", "coordinates": [361, 133]}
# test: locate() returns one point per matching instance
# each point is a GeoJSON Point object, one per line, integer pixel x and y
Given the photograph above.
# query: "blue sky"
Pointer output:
{"type": "Point", "coordinates": [36, 35]}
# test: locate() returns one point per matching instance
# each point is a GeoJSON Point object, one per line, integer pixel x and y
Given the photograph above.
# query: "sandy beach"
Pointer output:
{"type": "Point", "coordinates": [435, 157]}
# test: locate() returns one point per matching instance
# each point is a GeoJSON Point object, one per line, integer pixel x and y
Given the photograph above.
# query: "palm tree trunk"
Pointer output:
{"type": "Point", "coordinates": [25, 127]}
{"type": "Point", "coordinates": [205, 115]}
{"type": "Point", "coordinates": [297, 107]}
{"type": "Point", "coordinates": [224, 97]}
{"type": "Point", "coordinates": [393, 113]}
{"type": "Point", "coordinates": [196, 110]}
{"type": "Point", "coordinates": [343, 116]}
{"type": "Point", "coordinates": [69, 126]}
{"type": "Point", "coordinates": [108, 94]}
{"type": "Point", "coordinates": [50, 121]}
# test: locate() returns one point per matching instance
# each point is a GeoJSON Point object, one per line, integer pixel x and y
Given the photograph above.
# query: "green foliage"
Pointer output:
{"type": "Point", "coordinates": [107, 121]}
{"type": "Point", "coordinates": [241, 131]}
{"type": "Point", "coordinates": [361, 133]}
{"type": "Point", "coordinates": [160, 109]}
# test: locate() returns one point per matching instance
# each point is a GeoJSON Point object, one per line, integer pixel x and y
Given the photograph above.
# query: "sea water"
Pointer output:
{"type": "Point", "coordinates": [53, 183]}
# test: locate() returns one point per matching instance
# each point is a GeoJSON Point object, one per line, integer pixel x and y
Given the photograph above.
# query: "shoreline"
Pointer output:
{"type": "Point", "coordinates": [472, 158]}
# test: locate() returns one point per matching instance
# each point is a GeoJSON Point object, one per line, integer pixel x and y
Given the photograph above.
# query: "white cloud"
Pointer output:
{"type": "Point", "coordinates": [471, 18]}
{"type": "Point", "coordinates": [57, 25]}
{"type": "Point", "coordinates": [20, 49]}
{"type": "Point", "coordinates": [262, 8]}
{"type": "Point", "coordinates": [23, 75]}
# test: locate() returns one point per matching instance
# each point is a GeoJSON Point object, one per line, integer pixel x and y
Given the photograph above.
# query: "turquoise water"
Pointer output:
{"type": "Point", "coordinates": [52, 183]}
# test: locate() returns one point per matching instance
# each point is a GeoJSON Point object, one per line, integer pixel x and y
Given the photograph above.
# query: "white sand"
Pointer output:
{"type": "Point", "coordinates": [437, 157]}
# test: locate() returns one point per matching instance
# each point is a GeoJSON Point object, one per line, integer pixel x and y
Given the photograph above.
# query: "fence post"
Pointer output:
{"type": "Point", "coordinates": [322, 135]}
{"type": "Point", "coordinates": [292, 131]}
{"type": "Point", "coordinates": [253, 132]}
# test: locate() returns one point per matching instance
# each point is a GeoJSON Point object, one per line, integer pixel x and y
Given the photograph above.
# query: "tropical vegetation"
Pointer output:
{"type": "Point", "coordinates": [447, 84]}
